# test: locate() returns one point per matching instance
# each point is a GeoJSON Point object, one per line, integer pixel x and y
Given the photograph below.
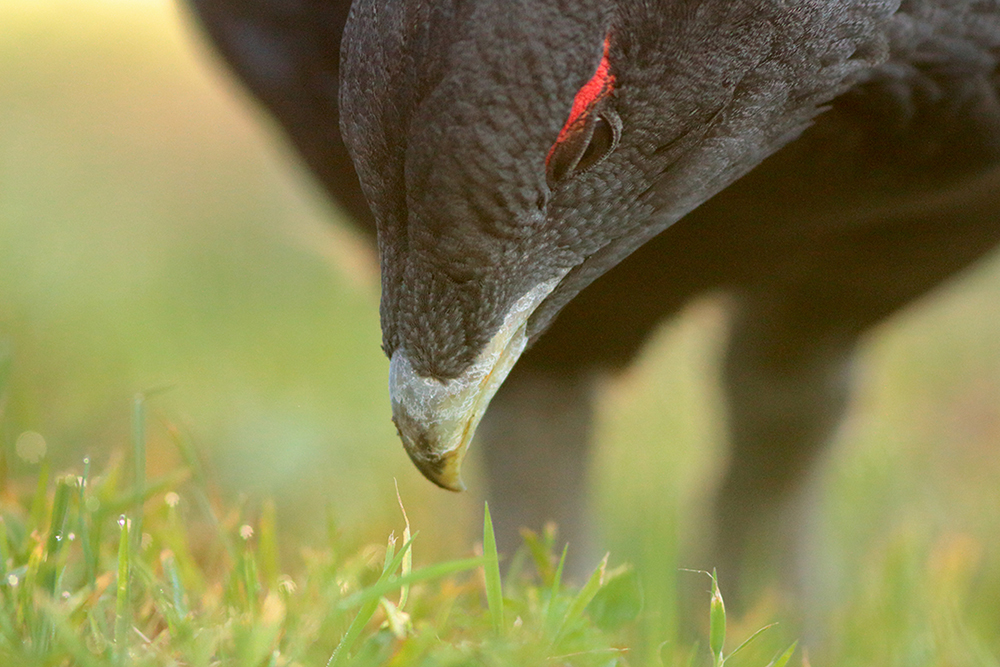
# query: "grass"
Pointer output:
{"type": "Point", "coordinates": [107, 570]}
{"type": "Point", "coordinates": [112, 568]}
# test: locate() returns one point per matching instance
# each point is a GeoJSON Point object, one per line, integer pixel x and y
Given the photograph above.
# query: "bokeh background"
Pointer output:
{"type": "Point", "coordinates": [155, 231]}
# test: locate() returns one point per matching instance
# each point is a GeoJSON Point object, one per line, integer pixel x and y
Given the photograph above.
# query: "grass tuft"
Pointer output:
{"type": "Point", "coordinates": [84, 583]}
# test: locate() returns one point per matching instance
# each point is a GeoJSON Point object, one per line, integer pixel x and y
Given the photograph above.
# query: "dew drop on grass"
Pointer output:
{"type": "Point", "coordinates": [246, 531]}
{"type": "Point", "coordinates": [12, 579]}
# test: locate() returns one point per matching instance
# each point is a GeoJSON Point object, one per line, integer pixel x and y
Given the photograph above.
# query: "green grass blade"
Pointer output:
{"type": "Point", "coordinates": [390, 552]}
{"type": "Point", "coordinates": [429, 573]}
{"type": "Point", "coordinates": [407, 565]}
{"type": "Point", "coordinates": [582, 599]}
{"type": "Point", "coordinates": [783, 659]}
{"type": "Point", "coordinates": [139, 470]}
{"type": "Point", "coordinates": [169, 564]}
{"type": "Point", "coordinates": [346, 644]}
{"type": "Point", "coordinates": [557, 577]}
{"type": "Point", "coordinates": [83, 527]}
{"type": "Point", "coordinates": [717, 623]}
{"type": "Point", "coordinates": [60, 507]}
{"type": "Point", "coordinates": [57, 529]}
{"type": "Point", "coordinates": [251, 582]}
{"type": "Point", "coordinates": [40, 501]}
{"type": "Point", "coordinates": [540, 553]}
{"type": "Point", "coordinates": [750, 639]}
{"type": "Point", "coordinates": [551, 614]}
{"type": "Point", "coordinates": [491, 570]}
{"type": "Point", "coordinates": [123, 611]}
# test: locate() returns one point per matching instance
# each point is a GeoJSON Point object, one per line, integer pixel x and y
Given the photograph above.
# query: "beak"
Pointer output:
{"type": "Point", "coordinates": [436, 419]}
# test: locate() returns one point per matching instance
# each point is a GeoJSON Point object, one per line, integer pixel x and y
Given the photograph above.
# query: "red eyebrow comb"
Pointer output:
{"type": "Point", "coordinates": [597, 88]}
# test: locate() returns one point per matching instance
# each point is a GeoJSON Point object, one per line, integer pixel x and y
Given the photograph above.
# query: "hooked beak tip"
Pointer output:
{"type": "Point", "coordinates": [444, 469]}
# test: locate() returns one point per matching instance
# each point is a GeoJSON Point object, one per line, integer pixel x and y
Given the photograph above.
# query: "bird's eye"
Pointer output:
{"type": "Point", "coordinates": [583, 147]}
{"type": "Point", "coordinates": [602, 141]}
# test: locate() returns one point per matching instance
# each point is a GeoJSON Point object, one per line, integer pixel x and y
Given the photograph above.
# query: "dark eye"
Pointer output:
{"type": "Point", "coordinates": [582, 147]}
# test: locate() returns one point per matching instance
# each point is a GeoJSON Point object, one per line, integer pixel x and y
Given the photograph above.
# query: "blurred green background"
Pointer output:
{"type": "Point", "coordinates": [155, 231]}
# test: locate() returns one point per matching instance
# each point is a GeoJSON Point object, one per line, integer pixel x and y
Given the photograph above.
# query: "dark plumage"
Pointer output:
{"type": "Point", "coordinates": [813, 159]}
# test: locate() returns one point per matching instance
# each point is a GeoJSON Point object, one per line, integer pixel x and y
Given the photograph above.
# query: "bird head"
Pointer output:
{"type": "Point", "coordinates": [512, 152]}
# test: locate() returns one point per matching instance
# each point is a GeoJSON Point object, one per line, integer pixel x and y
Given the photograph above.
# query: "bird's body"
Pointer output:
{"type": "Point", "coordinates": [818, 161]}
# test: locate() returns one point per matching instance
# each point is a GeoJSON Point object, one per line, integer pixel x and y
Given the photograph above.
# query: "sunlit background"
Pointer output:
{"type": "Point", "coordinates": [156, 232]}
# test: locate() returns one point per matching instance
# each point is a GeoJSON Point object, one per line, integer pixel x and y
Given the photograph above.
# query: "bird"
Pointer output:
{"type": "Point", "coordinates": [547, 181]}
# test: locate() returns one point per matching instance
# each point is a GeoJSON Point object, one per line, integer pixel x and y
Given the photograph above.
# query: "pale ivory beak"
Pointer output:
{"type": "Point", "coordinates": [436, 420]}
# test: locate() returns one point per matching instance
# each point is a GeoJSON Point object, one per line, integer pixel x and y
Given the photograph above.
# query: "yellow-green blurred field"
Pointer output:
{"type": "Point", "coordinates": [155, 231]}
